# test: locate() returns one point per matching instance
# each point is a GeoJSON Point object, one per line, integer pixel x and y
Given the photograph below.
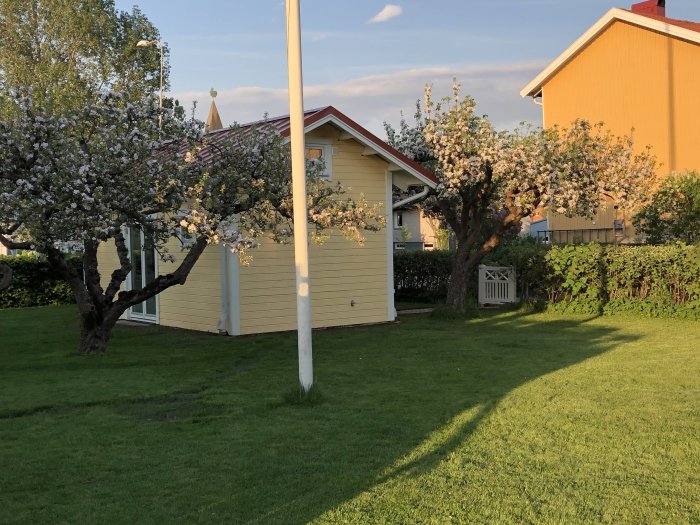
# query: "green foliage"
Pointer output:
{"type": "Point", "coordinates": [35, 283]}
{"type": "Point", "coordinates": [442, 236]}
{"type": "Point", "coordinates": [574, 280]}
{"type": "Point", "coordinates": [657, 281]}
{"type": "Point", "coordinates": [653, 281]}
{"type": "Point", "coordinates": [674, 211]}
{"type": "Point", "coordinates": [67, 53]}
{"type": "Point", "coordinates": [422, 275]}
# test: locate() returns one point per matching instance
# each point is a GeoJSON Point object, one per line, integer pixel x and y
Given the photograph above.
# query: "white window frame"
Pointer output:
{"type": "Point", "coordinates": [186, 238]}
{"type": "Point", "coordinates": [130, 314]}
{"type": "Point", "coordinates": [327, 155]}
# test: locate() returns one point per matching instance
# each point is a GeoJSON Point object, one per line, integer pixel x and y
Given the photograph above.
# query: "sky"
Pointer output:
{"type": "Point", "coordinates": [370, 59]}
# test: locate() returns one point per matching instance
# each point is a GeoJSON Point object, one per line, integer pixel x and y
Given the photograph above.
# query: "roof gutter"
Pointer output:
{"type": "Point", "coordinates": [412, 198]}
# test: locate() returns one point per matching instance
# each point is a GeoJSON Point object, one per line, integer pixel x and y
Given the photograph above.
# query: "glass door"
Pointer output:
{"type": "Point", "coordinates": [143, 271]}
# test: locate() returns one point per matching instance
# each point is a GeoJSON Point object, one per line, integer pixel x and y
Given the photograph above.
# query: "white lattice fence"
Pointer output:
{"type": "Point", "coordinates": [496, 284]}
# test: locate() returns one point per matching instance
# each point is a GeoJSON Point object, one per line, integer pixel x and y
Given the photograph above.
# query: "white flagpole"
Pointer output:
{"type": "Point", "coordinates": [301, 236]}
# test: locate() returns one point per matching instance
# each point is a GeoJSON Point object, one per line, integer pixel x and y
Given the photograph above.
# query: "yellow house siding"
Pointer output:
{"type": "Point", "coordinates": [349, 282]}
{"type": "Point", "coordinates": [342, 272]}
{"type": "Point", "coordinates": [107, 262]}
{"type": "Point", "coordinates": [429, 228]}
{"type": "Point", "coordinates": [196, 305]}
{"type": "Point", "coordinates": [605, 218]}
{"type": "Point", "coordinates": [631, 77]}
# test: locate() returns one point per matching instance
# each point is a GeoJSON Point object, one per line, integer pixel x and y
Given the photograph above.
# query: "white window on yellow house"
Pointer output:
{"type": "Point", "coordinates": [322, 153]}
{"type": "Point", "coordinates": [185, 237]}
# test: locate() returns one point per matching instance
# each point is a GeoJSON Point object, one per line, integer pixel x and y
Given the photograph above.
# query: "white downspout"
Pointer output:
{"type": "Point", "coordinates": [224, 325]}
{"type": "Point", "coordinates": [234, 293]}
{"type": "Point", "coordinates": [412, 198]}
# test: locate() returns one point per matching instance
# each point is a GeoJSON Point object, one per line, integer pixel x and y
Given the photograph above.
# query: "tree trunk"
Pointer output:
{"type": "Point", "coordinates": [459, 278]}
{"type": "Point", "coordinates": [94, 333]}
{"type": "Point", "coordinates": [6, 276]}
{"type": "Point", "coordinates": [93, 341]}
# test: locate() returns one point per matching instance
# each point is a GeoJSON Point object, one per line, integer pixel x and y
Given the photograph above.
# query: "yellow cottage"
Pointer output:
{"type": "Point", "coordinates": [350, 284]}
{"type": "Point", "coordinates": [633, 69]}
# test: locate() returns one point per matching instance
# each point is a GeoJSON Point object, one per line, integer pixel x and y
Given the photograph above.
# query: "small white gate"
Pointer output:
{"type": "Point", "coordinates": [496, 285]}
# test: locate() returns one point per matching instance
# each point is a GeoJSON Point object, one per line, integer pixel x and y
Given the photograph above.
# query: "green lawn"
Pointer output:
{"type": "Point", "coordinates": [506, 418]}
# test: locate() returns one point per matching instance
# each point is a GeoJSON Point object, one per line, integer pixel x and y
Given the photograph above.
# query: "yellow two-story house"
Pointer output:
{"type": "Point", "coordinates": [633, 69]}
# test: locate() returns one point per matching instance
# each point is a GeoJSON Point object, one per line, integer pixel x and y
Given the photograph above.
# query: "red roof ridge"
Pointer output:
{"type": "Point", "coordinates": [685, 24]}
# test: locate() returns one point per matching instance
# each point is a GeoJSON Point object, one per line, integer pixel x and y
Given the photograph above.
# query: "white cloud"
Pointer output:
{"type": "Point", "coordinates": [390, 11]}
{"type": "Point", "coordinates": [372, 100]}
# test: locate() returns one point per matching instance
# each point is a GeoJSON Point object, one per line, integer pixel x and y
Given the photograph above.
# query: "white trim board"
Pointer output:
{"type": "Point", "coordinates": [391, 309]}
{"type": "Point", "coordinates": [368, 143]}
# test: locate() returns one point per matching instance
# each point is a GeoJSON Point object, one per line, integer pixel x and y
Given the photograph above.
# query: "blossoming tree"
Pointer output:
{"type": "Point", "coordinates": [490, 180]}
{"type": "Point", "coordinates": [86, 177]}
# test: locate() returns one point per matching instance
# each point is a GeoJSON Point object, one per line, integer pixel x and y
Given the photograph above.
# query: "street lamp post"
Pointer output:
{"type": "Point", "coordinates": [159, 44]}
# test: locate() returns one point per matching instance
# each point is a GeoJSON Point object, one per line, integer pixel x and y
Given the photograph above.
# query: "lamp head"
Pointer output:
{"type": "Point", "coordinates": [147, 43]}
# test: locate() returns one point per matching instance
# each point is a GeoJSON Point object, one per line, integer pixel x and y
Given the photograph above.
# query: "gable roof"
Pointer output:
{"type": "Point", "coordinates": [682, 29]}
{"type": "Point", "coordinates": [315, 118]}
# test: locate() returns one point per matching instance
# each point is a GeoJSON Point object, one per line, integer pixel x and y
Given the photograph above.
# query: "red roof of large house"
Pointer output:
{"type": "Point", "coordinates": [685, 24]}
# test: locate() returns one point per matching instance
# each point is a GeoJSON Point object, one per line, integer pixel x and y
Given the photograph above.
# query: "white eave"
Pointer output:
{"type": "Point", "coordinates": [392, 159]}
{"type": "Point", "coordinates": [534, 88]}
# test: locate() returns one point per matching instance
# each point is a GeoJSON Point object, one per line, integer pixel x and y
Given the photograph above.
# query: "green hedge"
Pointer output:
{"type": "Point", "coordinates": [657, 281]}
{"type": "Point", "coordinates": [34, 283]}
{"type": "Point", "coordinates": [574, 278]}
{"type": "Point", "coordinates": [422, 275]}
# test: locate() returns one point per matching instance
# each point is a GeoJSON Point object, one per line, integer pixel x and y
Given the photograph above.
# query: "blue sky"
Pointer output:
{"type": "Point", "coordinates": [371, 71]}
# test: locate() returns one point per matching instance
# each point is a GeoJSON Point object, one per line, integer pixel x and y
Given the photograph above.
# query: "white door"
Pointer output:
{"type": "Point", "coordinates": [143, 271]}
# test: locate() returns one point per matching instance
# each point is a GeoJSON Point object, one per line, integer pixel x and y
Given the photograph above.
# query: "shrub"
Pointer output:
{"type": "Point", "coordinates": [422, 275]}
{"type": "Point", "coordinates": [574, 278]}
{"type": "Point", "coordinates": [657, 281]}
{"type": "Point", "coordinates": [34, 283]}
{"type": "Point", "coordinates": [674, 211]}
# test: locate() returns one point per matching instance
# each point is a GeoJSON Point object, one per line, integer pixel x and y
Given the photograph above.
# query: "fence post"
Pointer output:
{"type": "Point", "coordinates": [482, 284]}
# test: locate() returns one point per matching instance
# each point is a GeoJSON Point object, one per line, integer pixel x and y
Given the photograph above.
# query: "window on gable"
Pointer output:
{"type": "Point", "coordinates": [185, 237]}
{"type": "Point", "coordinates": [320, 153]}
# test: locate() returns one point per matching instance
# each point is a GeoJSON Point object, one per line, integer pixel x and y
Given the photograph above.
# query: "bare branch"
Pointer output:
{"type": "Point", "coordinates": [12, 245]}
{"type": "Point", "coordinates": [162, 282]}
{"type": "Point", "coordinates": [120, 274]}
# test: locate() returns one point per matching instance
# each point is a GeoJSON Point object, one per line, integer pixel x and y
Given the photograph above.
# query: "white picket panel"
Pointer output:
{"type": "Point", "coordinates": [497, 284]}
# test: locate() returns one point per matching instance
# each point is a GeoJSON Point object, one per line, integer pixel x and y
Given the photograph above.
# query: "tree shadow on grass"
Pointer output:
{"type": "Point", "coordinates": [398, 404]}
{"type": "Point", "coordinates": [398, 400]}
